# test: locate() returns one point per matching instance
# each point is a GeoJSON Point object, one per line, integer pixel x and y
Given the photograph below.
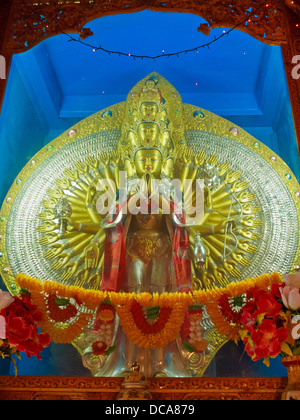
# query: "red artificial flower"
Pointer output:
{"type": "Point", "coordinates": [249, 348]}
{"type": "Point", "coordinates": [275, 290]}
{"type": "Point", "coordinates": [267, 304]}
{"type": "Point", "coordinates": [21, 326]}
{"type": "Point", "coordinates": [252, 297]}
{"type": "Point", "coordinates": [267, 339]}
{"type": "Point", "coordinates": [248, 320]}
{"type": "Point", "coordinates": [99, 347]}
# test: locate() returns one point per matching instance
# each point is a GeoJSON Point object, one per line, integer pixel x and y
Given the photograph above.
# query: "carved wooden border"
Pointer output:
{"type": "Point", "coordinates": [184, 389]}
{"type": "Point", "coordinates": [21, 28]}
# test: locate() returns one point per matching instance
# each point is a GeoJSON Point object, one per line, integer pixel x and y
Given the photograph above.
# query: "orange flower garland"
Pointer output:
{"type": "Point", "coordinates": [161, 338]}
{"type": "Point", "coordinates": [66, 321]}
{"type": "Point", "coordinates": [63, 325]}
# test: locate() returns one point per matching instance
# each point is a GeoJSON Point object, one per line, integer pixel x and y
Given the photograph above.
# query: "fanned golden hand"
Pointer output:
{"type": "Point", "coordinates": [220, 276]}
{"type": "Point", "coordinates": [95, 281]}
{"type": "Point", "coordinates": [82, 167]}
{"type": "Point", "coordinates": [232, 268]}
{"type": "Point", "coordinates": [54, 251]}
{"type": "Point", "coordinates": [115, 158]}
{"type": "Point", "coordinates": [70, 270]}
{"type": "Point", "coordinates": [46, 215]}
{"type": "Point", "coordinates": [249, 209]}
{"type": "Point", "coordinates": [246, 245]}
{"type": "Point", "coordinates": [61, 261]}
{"type": "Point", "coordinates": [212, 160]}
{"type": "Point", "coordinates": [64, 184]}
{"type": "Point", "coordinates": [104, 159]}
{"type": "Point", "coordinates": [245, 197]}
{"type": "Point", "coordinates": [199, 158]}
{"type": "Point", "coordinates": [50, 226]}
{"type": "Point", "coordinates": [50, 238]}
{"type": "Point", "coordinates": [208, 281]}
{"type": "Point", "coordinates": [230, 177]}
{"type": "Point", "coordinates": [93, 162]}
{"type": "Point", "coordinates": [50, 204]}
{"type": "Point", "coordinates": [92, 255]}
{"type": "Point", "coordinates": [239, 186]}
{"type": "Point", "coordinates": [55, 193]}
{"type": "Point", "coordinates": [72, 174]}
{"type": "Point", "coordinates": [249, 234]}
{"type": "Point", "coordinates": [250, 222]}
{"type": "Point", "coordinates": [82, 277]}
{"type": "Point", "coordinates": [223, 168]}
{"type": "Point", "coordinates": [239, 256]}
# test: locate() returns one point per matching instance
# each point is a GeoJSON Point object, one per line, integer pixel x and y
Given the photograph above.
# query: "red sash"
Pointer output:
{"type": "Point", "coordinates": [115, 255]}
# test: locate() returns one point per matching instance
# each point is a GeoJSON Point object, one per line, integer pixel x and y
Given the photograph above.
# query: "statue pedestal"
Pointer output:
{"type": "Point", "coordinates": [292, 391]}
{"type": "Point", "coordinates": [89, 388]}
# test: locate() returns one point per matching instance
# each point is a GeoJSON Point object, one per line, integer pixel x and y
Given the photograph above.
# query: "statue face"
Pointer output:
{"type": "Point", "coordinates": [150, 84]}
{"type": "Point", "coordinates": [148, 133]}
{"type": "Point", "coordinates": [149, 110]}
{"type": "Point", "coordinates": [148, 161]}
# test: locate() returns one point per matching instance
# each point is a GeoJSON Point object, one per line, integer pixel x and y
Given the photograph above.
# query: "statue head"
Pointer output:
{"type": "Point", "coordinates": [148, 110]}
{"type": "Point", "coordinates": [148, 133]}
{"type": "Point", "coordinates": [153, 119]}
{"type": "Point", "coordinates": [148, 161]}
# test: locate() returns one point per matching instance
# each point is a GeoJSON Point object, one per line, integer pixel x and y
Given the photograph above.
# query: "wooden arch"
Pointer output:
{"type": "Point", "coordinates": [25, 23]}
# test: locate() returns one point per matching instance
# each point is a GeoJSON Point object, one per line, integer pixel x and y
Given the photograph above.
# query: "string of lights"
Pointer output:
{"type": "Point", "coordinates": [172, 54]}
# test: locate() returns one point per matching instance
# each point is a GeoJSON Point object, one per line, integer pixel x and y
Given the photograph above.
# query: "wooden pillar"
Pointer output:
{"type": "Point", "coordinates": [289, 50]}
{"type": "Point", "coordinates": [5, 19]}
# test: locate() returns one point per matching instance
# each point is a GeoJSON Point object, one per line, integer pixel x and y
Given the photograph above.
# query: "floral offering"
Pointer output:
{"type": "Point", "coordinates": [19, 320]}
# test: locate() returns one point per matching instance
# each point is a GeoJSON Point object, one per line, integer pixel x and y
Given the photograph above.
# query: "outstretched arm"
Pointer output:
{"type": "Point", "coordinates": [73, 226]}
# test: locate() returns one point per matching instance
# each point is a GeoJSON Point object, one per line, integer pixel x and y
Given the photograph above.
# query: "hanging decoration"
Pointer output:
{"type": "Point", "coordinates": [171, 54]}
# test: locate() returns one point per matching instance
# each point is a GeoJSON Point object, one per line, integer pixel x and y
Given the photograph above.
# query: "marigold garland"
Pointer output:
{"type": "Point", "coordinates": [159, 339]}
{"type": "Point", "coordinates": [64, 332]}
{"type": "Point", "coordinates": [67, 329]}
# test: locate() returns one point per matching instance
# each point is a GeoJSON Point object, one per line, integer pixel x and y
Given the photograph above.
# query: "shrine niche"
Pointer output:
{"type": "Point", "coordinates": [150, 211]}
{"type": "Point", "coordinates": [153, 137]}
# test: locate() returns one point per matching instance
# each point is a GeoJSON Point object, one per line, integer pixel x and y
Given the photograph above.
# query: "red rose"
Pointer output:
{"type": "Point", "coordinates": [99, 347]}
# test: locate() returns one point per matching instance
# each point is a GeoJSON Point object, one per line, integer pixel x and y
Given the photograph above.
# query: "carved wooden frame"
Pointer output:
{"type": "Point", "coordinates": [25, 23]}
{"type": "Point", "coordinates": [183, 389]}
